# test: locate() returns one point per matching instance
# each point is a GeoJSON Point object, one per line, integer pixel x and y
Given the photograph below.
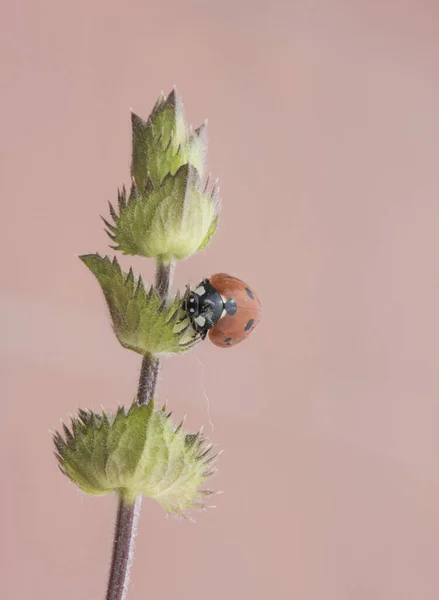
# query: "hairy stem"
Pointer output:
{"type": "Point", "coordinates": [163, 278]}
{"type": "Point", "coordinates": [151, 364]}
{"type": "Point", "coordinates": [148, 378]}
{"type": "Point", "coordinates": [123, 547]}
{"type": "Point", "coordinates": [128, 513]}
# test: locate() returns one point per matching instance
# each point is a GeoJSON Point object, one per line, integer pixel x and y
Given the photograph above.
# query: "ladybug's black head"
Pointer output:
{"type": "Point", "coordinates": [204, 307]}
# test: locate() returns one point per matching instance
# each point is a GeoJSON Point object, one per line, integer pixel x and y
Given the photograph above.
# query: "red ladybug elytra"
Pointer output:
{"type": "Point", "coordinates": [225, 307]}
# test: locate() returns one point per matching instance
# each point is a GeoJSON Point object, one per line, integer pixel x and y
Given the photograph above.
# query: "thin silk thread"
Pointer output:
{"type": "Point", "coordinates": [204, 391]}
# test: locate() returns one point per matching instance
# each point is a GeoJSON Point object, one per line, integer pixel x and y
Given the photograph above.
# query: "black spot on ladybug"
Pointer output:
{"type": "Point", "coordinates": [249, 293]}
{"type": "Point", "coordinates": [249, 325]}
{"type": "Point", "coordinates": [228, 340]}
{"type": "Point", "coordinates": [230, 306]}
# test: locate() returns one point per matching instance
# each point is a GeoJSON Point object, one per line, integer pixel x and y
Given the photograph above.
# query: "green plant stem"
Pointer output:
{"type": "Point", "coordinates": [128, 513]}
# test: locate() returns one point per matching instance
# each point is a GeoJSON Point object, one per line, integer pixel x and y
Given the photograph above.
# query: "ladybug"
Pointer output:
{"type": "Point", "coordinates": [224, 307]}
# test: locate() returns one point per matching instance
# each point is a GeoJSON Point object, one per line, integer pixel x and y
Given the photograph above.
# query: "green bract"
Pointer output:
{"type": "Point", "coordinates": [138, 452]}
{"type": "Point", "coordinates": [170, 213]}
{"type": "Point", "coordinates": [162, 144]}
{"type": "Point", "coordinates": [142, 321]}
{"type": "Point", "coordinates": [172, 221]}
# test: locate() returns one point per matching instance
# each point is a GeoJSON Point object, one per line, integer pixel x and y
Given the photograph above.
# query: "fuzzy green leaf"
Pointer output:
{"type": "Point", "coordinates": [141, 321]}
{"type": "Point", "coordinates": [138, 452]}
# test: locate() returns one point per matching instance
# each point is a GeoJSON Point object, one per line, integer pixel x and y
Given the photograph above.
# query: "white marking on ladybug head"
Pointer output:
{"type": "Point", "coordinates": [192, 300]}
{"type": "Point", "coordinates": [200, 290]}
{"type": "Point", "coordinates": [192, 310]}
{"type": "Point", "coordinates": [200, 321]}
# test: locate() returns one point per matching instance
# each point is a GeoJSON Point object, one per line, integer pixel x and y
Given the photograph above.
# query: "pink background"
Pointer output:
{"type": "Point", "coordinates": [324, 129]}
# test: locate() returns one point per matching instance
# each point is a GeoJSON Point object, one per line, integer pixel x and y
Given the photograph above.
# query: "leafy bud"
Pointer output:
{"type": "Point", "coordinates": [135, 452]}
{"type": "Point", "coordinates": [142, 321]}
{"type": "Point", "coordinates": [172, 221]}
{"type": "Point", "coordinates": [162, 144]}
